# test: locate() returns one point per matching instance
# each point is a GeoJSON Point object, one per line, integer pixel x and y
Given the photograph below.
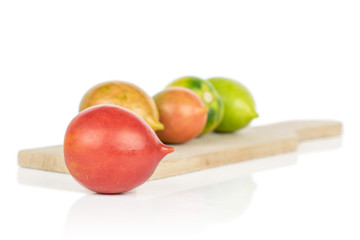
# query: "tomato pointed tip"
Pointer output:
{"type": "Point", "coordinates": [166, 149]}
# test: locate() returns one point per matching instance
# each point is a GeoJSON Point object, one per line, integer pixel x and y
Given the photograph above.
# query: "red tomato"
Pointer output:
{"type": "Point", "coordinates": [109, 149]}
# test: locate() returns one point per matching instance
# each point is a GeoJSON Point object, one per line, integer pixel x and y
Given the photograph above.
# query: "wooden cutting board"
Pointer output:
{"type": "Point", "coordinates": [210, 150]}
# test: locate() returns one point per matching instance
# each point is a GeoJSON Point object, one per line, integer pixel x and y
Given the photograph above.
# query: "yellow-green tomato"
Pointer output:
{"type": "Point", "coordinates": [239, 104]}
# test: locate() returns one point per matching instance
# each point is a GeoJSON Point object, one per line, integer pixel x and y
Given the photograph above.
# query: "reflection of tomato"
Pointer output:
{"type": "Point", "coordinates": [110, 149]}
{"type": "Point", "coordinates": [182, 113]}
{"type": "Point", "coordinates": [197, 208]}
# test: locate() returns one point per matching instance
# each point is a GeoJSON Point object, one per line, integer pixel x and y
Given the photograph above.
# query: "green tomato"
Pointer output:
{"type": "Point", "coordinates": [239, 104]}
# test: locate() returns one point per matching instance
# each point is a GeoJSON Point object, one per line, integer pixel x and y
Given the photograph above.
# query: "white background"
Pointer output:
{"type": "Point", "coordinates": [300, 60]}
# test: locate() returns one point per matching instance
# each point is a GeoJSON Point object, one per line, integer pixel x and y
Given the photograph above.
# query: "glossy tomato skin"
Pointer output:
{"type": "Point", "coordinates": [109, 149]}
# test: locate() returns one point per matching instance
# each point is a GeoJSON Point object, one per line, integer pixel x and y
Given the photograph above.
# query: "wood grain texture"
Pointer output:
{"type": "Point", "coordinates": [210, 150]}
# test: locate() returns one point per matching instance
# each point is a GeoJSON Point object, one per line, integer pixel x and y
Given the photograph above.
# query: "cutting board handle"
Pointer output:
{"type": "Point", "coordinates": [310, 129]}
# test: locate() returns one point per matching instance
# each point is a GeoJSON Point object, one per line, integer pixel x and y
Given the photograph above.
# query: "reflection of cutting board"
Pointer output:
{"type": "Point", "coordinates": [210, 150]}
